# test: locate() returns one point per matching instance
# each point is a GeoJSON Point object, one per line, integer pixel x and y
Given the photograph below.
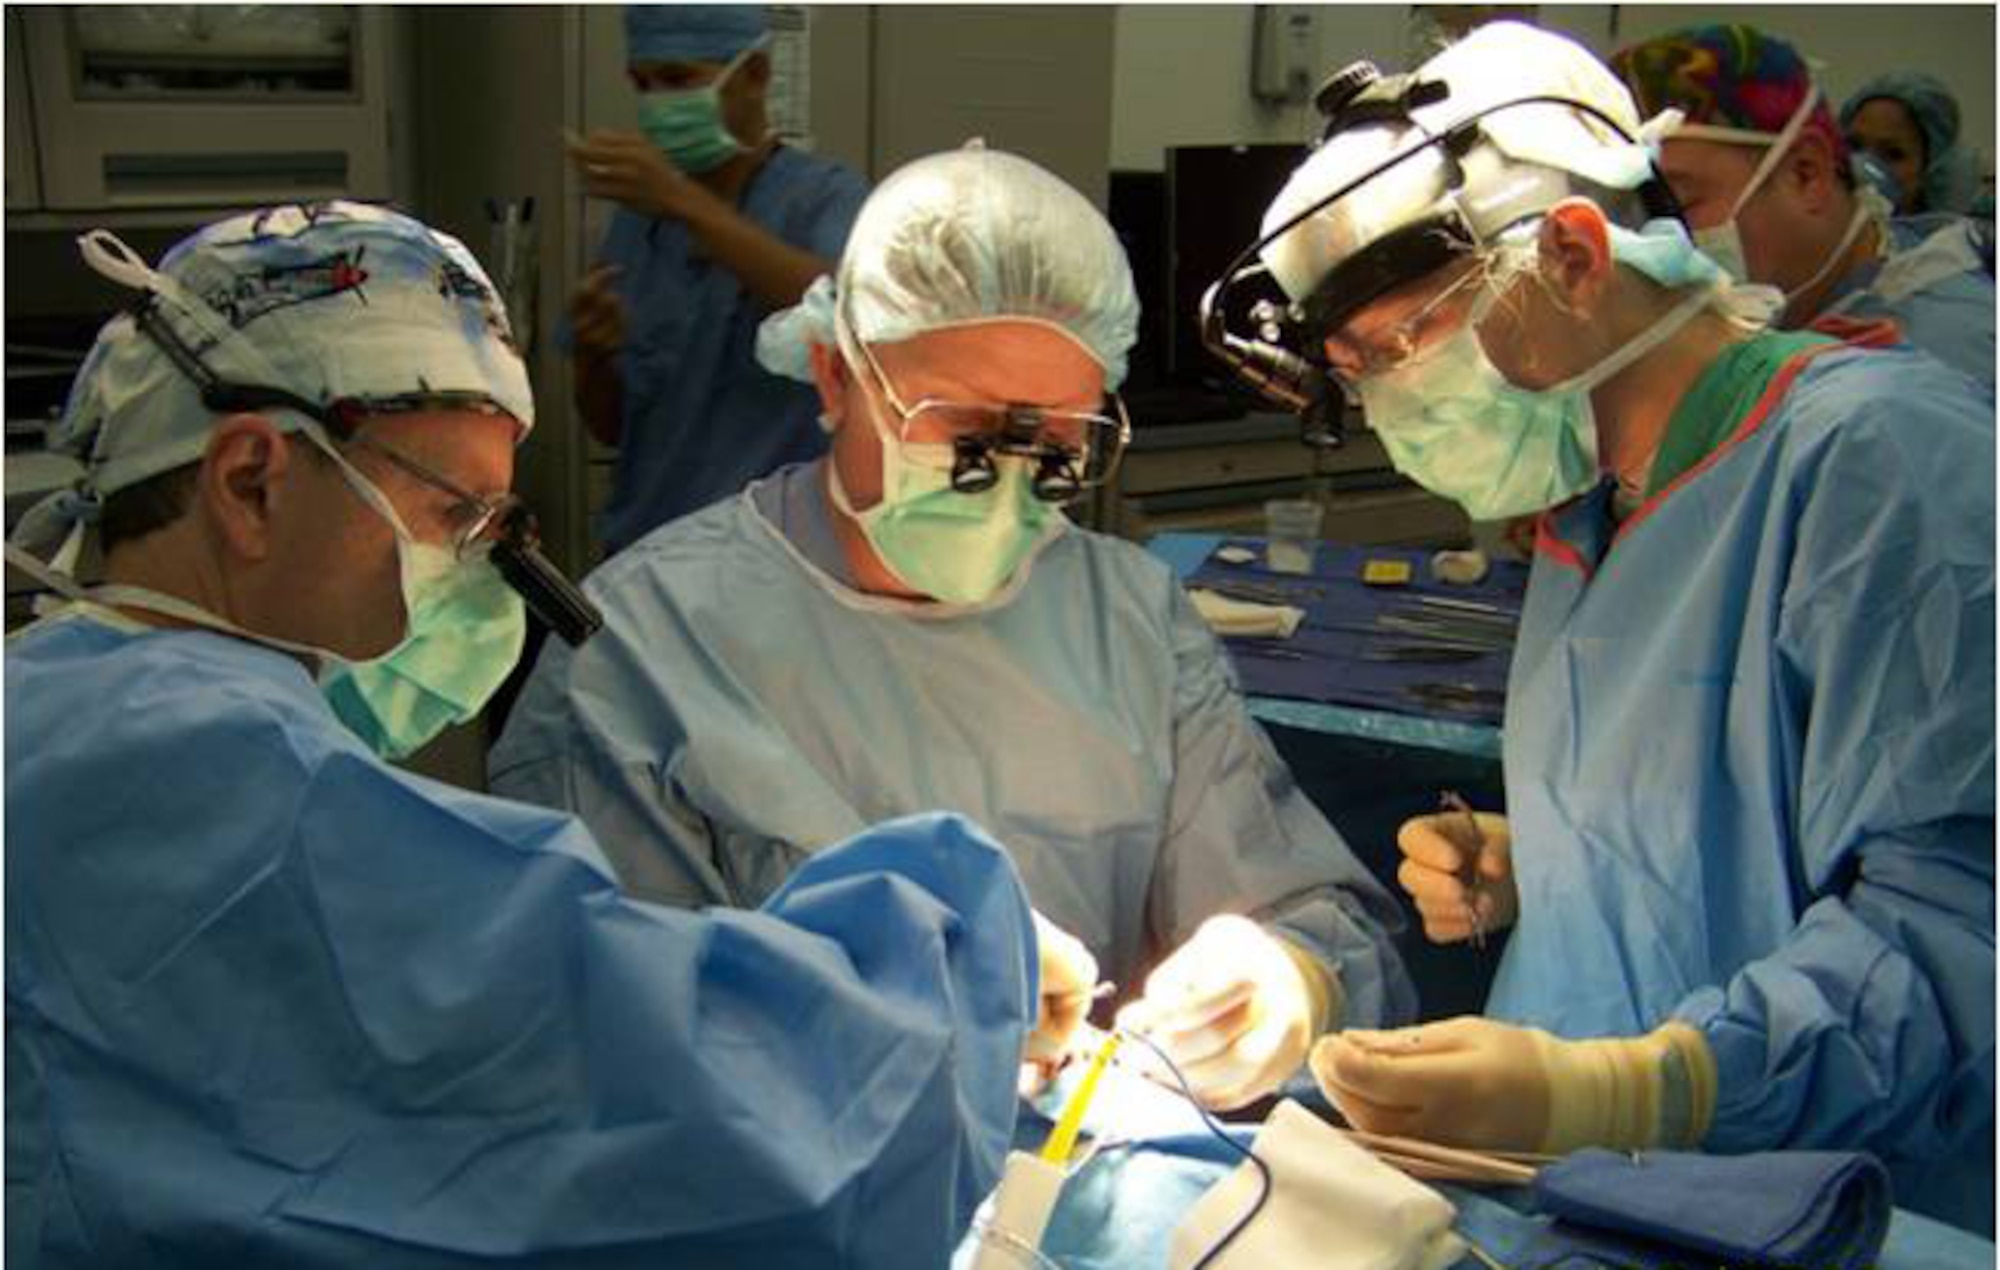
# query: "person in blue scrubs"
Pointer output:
{"type": "Point", "coordinates": [274, 1002]}
{"type": "Point", "coordinates": [912, 623]}
{"type": "Point", "coordinates": [1909, 121]}
{"type": "Point", "coordinates": [1761, 170]}
{"type": "Point", "coordinates": [1748, 851]}
{"type": "Point", "coordinates": [718, 224]}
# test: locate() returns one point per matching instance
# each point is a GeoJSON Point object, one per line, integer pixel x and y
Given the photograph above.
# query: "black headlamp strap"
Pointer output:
{"type": "Point", "coordinates": [220, 395]}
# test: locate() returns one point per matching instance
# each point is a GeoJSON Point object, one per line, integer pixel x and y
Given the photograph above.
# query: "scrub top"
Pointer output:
{"type": "Point", "coordinates": [701, 418]}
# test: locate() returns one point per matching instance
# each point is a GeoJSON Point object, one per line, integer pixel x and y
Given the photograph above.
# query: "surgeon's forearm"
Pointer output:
{"type": "Point", "coordinates": [600, 396]}
{"type": "Point", "coordinates": [771, 269]}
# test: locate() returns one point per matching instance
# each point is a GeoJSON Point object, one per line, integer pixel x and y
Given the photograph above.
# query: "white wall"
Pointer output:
{"type": "Point", "coordinates": [1181, 72]}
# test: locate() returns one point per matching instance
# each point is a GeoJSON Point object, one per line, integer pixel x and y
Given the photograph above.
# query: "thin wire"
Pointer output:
{"type": "Point", "coordinates": [1215, 1127]}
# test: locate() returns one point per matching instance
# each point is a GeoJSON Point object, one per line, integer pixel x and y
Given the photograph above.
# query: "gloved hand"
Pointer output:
{"type": "Point", "coordinates": [1235, 1008]}
{"type": "Point", "coordinates": [1473, 1082]}
{"type": "Point", "coordinates": [1069, 976]}
{"type": "Point", "coordinates": [1439, 855]}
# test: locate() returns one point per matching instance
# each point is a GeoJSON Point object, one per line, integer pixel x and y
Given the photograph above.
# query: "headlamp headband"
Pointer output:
{"type": "Point", "coordinates": [1360, 96]}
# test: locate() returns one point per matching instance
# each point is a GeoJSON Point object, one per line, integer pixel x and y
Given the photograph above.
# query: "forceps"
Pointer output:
{"type": "Point", "coordinates": [1452, 802]}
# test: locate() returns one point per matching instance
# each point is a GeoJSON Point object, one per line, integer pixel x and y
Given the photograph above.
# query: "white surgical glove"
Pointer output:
{"type": "Point", "coordinates": [1069, 976]}
{"type": "Point", "coordinates": [1476, 1083]}
{"type": "Point", "coordinates": [1235, 1008]}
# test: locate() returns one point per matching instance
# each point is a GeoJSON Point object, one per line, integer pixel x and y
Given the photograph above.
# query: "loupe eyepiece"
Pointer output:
{"type": "Point", "coordinates": [551, 597]}
{"type": "Point", "coordinates": [972, 469]}
{"type": "Point", "coordinates": [1056, 479]}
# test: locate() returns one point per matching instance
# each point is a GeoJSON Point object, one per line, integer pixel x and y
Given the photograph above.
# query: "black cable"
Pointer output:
{"type": "Point", "coordinates": [1215, 1127]}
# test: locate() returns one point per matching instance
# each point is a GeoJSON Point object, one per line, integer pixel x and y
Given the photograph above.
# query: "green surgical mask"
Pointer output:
{"type": "Point", "coordinates": [958, 548]}
{"type": "Point", "coordinates": [463, 633]}
{"type": "Point", "coordinates": [686, 123]}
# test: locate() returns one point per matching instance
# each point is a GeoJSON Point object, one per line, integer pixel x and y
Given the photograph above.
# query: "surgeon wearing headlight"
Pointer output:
{"type": "Point", "coordinates": [1748, 855]}
{"type": "Point", "coordinates": [915, 623]}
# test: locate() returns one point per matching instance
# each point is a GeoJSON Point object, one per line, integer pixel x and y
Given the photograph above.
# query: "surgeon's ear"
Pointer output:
{"type": "Point", "coordinates": [1809, 169]}
{"type": "Point", "coordinates": [831, 378]}
{"type": "Point", "coordinates": [1575, 248]}
{"type": "Point", "coordinates": [243, 476]}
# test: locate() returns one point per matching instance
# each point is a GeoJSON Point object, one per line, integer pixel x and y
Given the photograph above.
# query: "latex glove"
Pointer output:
{"type": "Point", "coordinates": [1069, 977]}
{"type": "Point", "coordinates": [1235, 1008]}
{"type": "Point", "coordinates": [1439, 855]}
{"type": "Point", "coordinates": [629, 169]}
{"type": "Point", "coordinates": [597, 314]}
{"type": "Point", "coordinates": [1473, 1082]}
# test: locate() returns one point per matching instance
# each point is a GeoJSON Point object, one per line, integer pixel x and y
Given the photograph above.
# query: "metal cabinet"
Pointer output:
{"type": "Point", "coordinates": [1216, 477]}
{"type": "Point", "coordinates": [152, 106]}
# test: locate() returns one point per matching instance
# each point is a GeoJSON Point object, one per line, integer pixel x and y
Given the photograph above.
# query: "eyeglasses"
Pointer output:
{"type": "Point", "coordinates": [1409, 339]}
{"type": "Point", "coordinates": [1073, 450]}
{"type": "Point", "coordinates": [476, 523]}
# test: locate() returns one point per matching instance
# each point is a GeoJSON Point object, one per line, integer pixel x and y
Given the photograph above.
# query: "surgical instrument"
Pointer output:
{"type": "Point", "coordinates": [1453, 803]}
{"type": "Point", "coordinates": [1468, 606]}
{"type": "Point", "coordinates": [1422, 653]}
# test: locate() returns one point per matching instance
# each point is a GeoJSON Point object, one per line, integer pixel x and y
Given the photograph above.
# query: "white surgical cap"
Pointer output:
{"type": "Point", "coordinates": [965, 237]}
{"type": "Point", "coordinates": [1534, 151]}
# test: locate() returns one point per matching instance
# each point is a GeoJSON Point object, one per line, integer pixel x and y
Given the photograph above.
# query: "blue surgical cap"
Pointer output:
{"type": "Point", "coordinates": [690, 32]}
{"type": "Point", "coordinates": [1950, 177]}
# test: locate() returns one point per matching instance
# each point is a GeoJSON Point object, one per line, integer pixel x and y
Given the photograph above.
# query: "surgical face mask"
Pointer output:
{"type": "Point", "coordinates": [960, 548]}
{"type": "Point", "coordinates": [954, 547]}
{"type": "Point", "coordinates": [687, 125]}
{"type": "Point", "coordinates": [1454, 424]}
{"type": "Point", "coordinates": [463, 633]}
{"type": "Point", "coordinates": [1723, 243]}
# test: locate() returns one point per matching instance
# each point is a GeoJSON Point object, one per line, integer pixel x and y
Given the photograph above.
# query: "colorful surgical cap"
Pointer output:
{"type": "Point", "coordinates": [1732, 82]}
{"type": "Point", "coordinates": [691, 32]}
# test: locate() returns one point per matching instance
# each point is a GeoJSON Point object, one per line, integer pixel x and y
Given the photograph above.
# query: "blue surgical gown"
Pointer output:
{"type": "Point", "coordinates": [742, 708]}
{"type": "Point", "coordinates": [1936, 284]}
{"type": "Point", "coordinates": [271, 1002]}
{"type": "Point", "coordinates": [701, 418]}
{"type": "Point", "coordinates": [1749, 764]}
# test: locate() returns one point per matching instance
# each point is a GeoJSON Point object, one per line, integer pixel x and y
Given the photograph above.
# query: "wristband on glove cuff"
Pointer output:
{"type": "Point", "coordinates": [1628, 1094]}
{"type": "Point", "coordinates": [1325, 999]}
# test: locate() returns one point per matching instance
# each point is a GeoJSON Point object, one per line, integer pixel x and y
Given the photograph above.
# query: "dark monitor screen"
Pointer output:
{"type": "Point", "coordinates": [1216, 196]}
{"type": "Point", "coordinates": [1137, 210]}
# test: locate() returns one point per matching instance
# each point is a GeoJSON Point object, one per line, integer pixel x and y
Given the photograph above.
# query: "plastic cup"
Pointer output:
{"type": "Point", "coordinates": [1291, 531]}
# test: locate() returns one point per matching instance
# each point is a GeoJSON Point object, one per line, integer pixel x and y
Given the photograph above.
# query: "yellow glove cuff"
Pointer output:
{"type": "Point", "coordinates": [1628, 1094]}
{"type": "Point", "coordinates": [1325, 998]}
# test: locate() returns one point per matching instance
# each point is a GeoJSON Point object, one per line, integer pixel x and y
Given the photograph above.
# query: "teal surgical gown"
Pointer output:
{"type": "Point", "coordinates": [272, 1003]}
{"type": "Point", "coordinates": [1936, 284]}
{"type": "Point", "coordinates": [743, 708]}
{"type": "Point", "coordinates": [1749, 764]}
{"type": "Point", "coordinates": [701, 418]}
